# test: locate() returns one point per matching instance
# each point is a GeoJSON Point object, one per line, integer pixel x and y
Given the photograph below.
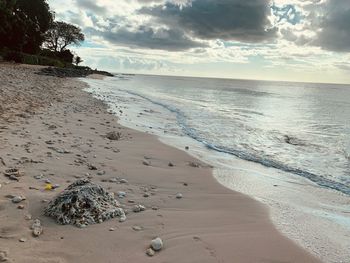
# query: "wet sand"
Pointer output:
{"type": "Point", "coordinates": [52, 130]}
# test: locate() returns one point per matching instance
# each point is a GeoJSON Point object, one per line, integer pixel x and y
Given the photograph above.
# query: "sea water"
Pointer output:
{"type": "Point", "coordinates": [285, 144]}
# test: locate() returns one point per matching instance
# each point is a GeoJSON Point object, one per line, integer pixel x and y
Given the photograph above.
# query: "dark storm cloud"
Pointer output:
{"type": "Point", "coordinates": [242, 20]}
{"type": "Point", "coordinates": [335, 26]}
{"type": "Point", "coordinates": [91, 5]}
{"type": "Point", "coordinates": [147, 37]}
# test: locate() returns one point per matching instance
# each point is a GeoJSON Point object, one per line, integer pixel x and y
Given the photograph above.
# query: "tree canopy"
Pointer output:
{"type": "Point", "coordinates": [23, 24]}
{"type": "Point", "coordinates": [62, 34]}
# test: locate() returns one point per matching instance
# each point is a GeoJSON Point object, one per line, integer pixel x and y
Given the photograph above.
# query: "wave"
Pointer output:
{"type": "Point", "coordinates": [191, 132]}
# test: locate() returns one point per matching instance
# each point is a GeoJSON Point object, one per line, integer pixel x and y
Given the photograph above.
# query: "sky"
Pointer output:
{"type": "Point", "coordinates": [289, 40]}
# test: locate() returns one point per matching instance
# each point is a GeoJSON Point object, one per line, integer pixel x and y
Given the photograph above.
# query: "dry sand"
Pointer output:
{"type": "Point", "coordinates": [209, 224]}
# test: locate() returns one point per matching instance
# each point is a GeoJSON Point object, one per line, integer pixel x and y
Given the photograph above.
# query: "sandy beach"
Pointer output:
{"type": "Point", "coordinates": [53, 131]}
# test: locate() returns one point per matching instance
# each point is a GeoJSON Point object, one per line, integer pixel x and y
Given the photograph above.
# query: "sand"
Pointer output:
{"type": "Point", "coordinates": [42, 116]}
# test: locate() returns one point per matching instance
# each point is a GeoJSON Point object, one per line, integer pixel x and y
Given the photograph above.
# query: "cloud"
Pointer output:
{"type": "Point", "coordinates": [334, 33]}
{"type": "Point", "coordinates": [240, 20]}
{"type": "Point", "coordinates": [91, 6]}
{"type": "Point", "coordinates": [148, 37]}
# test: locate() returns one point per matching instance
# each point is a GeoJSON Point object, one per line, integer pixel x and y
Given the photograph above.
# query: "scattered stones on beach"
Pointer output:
{"type": "Point", "coordinates": [138, 208]}
{"type": "Point", "coordinates": [83, 203]}
{"type": "Point", "coordinates": [37, 228]}
{"type": "Point", "coordinates": [114, 136]}
{"type": "Point", "coordinates": [150, 252]}
{"type": "Point", "coordinates": [179, 196]}
{"type": "Point", "coordinates": [157, 244]}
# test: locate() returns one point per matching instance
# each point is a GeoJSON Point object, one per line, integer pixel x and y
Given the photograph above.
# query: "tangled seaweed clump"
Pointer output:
{"type": "Point", "coordinates": [83, 203]}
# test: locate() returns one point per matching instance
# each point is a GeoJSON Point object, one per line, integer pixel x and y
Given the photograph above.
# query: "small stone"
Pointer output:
{"type": "Point", "coordinates": [121, 194]}
{"type": "Point", "coordinates": [150, 252]}
{"type": "Point", "coordinates": [155, 208]}
{"type": "Point", "coordinates": [37, 228]}
{"type": "Point", "coordinates": [170, 164]}
{"type": "Point", "coordinates": [187, 148]}
{"type": "Point", "coordinates": [138, 208]}
{"type": "Point", "coordinates": [157, 244]}
{"type": "Point", "coordinates": [137, 228]}
{"type": "Point", "coordinates": [28, 217]}
{"type": "Point", "coordinates": [123, 181]}
{"type": "Point", "coordinates": [146, 195]}
{"type": "Point", "coordinates": [20, 207]}
{"type": "Point", "coordinates": [131, 201]}
{"type": "Point", "coordinates": [122, 219]}
{"type": "Point", "coordinates": [3, 256]}
{"type": "Point", "coordinates": [145, 162]}
{"type": "Point", "coordinates": [22, 239]}
{"type": "Point", "coordinates": [17, 199]}
{"type": "Point", "coordinates": [112, 229]}
{"type": "Point", "coordinates": [179, 196]}
{"type": "Point", "coordinates": [101, 172]}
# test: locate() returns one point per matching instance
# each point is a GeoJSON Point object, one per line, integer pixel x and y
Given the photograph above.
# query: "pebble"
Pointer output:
{"type": "Point", "coordinates": [145, 162]}
{"type": "Point", "coordinates": [121, 194]}
{"type": "Point", "coordinates": [146, 195]}
{"type": "Point", "coordinates": [137, 228]}
{"type": "Point", "coordinates": [122, 219]}
{"type": "Point", "coordinates": [179, 196]}
{"type": "Point", "coordinates": [155, 208]}
{"type": "Point", "coordinates": [170, 164]}
{"type": "Point", "coordinates": [37, 228]}
{"type": "Point", "coordinates": [17, 199]}
{"type": "Point", "coordinates": [20, 207]}
{"type": "Point", "coordinates": [157, 244]}
{"type": "Point", "coordinates": [123, 181]}
{"type": "Point", "coordinates": [22, 239]}
{"type": "Point", "coordinates": [3, 256]}
{"type": "Point", "coordinates": [112, 229]}
{"type": "Point", "coordinates": [138, 208]}
{"type": "Point", "coordinates": [150, 252]}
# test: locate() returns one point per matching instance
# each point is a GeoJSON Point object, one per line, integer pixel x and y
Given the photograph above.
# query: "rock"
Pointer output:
{"type": "Point", "coordinates": [137, 228]}
{"type": "Point", "coordinates": [193, 164]}
{"type": "Point", "coordinates": [18, 199]}
{"type": "Point", "coordinates": [37, 228]}
{"type": "Point", "coordinates": [114, 136]}
{"type": "Point", "coordinates": [155, 208]}
{"type": "Point", "coordinates": [121, 194]}
{"type": "Point", "coordinates": [123, 181]}
{"type": "Point", "coordinates": [20, 207]}
{"type": "Point", "coordinates": [22, 240]}
{"type": "Point", "coordinates": [3, 256]}
{"type": "Point", "coordinates": [146, 195]}
{"type": "Point", "coordinates": [112, 229]}
{"type": "Point", "coordinates": [157, 244]}
{"type": "Point", "coordinates": [83, 203]}
{"type": "Point", "coordinates": [92, 167]}
{"type": "Point", "coordinates": [150, 252]}
{"type": "Point", "coordinates": [138, 208]}
{"type": "Point", "coordinates": [122, 219]}
{"type": "Point", "coordinates": [145, 162]}
{"type": "Point", "coordinates": [170, 164]}
{"type": "Point", "coordinates": [131, 201]}
{"type": "Point", "coordinates": [179, 196]}
{"type": "Point", "coordinates": [13, 173]}
{"type": "Point", "coordinates": [187, 148]}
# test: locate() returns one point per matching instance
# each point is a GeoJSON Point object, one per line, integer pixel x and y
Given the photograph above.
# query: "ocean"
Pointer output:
{"type": "Point", "coordinates": [285, 144]}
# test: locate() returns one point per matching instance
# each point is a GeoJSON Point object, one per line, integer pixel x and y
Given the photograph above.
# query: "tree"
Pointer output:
{"type": "Point", "coordinates": [61, 34]}
{"type": "Point", "coordinates": [23, 24]}
{"type": "Point", "coordinates": [78, 60]}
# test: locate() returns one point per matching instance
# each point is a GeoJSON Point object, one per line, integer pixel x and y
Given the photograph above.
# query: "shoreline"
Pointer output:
{"type": "Point", "coordinates": [209, 224]}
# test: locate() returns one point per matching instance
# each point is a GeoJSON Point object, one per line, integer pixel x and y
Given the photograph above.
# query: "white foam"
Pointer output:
{"type": "Point", "coordinates": [316, 218]}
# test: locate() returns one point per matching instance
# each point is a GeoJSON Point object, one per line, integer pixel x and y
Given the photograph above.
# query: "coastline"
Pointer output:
{"type": "Point", "coordinates": [209, 224]}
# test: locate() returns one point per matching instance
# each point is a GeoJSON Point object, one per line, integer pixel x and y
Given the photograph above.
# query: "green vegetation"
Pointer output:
{"type": "Point", "coordinates": [29, 34]}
